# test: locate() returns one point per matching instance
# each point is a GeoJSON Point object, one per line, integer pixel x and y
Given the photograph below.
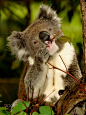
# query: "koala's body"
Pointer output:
{"type": "Point", "coordinates": [34, 47]}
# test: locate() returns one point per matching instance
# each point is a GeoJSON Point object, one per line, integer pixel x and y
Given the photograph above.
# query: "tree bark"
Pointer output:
{"type": "Point", "coordinates": [29, 12]}
{"type": "Point", "coordinates": [83, 11]}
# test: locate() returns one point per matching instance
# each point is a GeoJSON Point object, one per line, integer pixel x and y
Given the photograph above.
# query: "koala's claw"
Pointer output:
{"type": "Point", "coordinates": [46, 54]}
{"type": "Point", "coordinates": [43, 53]}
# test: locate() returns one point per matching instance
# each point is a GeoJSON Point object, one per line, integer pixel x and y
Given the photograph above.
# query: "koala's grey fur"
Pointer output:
{"type": "Point", "coordinates": [37, 74]}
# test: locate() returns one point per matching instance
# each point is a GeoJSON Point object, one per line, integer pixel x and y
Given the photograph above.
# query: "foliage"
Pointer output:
{"type": "Point", "coordinates": [72, 29]}
{"type": "Point", "coordinates": [20, 108]}
{"type": "Point", "coordinates": [46, 110]}
{"type": "Point", "coordinates": [34, 13]}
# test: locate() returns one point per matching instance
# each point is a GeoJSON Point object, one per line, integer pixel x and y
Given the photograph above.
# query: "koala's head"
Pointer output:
{"type": "Point", "coordinates": [37, 35]}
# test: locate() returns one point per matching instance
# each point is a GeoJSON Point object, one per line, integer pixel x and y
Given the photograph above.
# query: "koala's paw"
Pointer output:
{"type": "Point", "coordinates": [42, 54]}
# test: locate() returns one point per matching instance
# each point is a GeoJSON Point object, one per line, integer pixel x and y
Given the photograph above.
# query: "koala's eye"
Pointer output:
{"type": "Point", "coordinates": [35, 42]}
{"type": "Point", "coordinates": [50, 29]}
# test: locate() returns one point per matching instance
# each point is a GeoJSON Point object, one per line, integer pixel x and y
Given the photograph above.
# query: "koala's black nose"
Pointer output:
{"type": "Point", "coordinates": [44, 36]}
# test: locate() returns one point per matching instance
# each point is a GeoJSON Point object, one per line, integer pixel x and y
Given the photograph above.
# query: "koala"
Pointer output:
{"type": "Point", "coordinates": [35, 47]}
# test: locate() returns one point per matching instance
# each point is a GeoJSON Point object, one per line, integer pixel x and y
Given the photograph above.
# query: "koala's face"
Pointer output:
{"type": "Point", "coordinates": [37, 35]}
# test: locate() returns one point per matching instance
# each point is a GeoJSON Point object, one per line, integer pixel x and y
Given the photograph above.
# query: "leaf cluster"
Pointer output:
{"type": "Point", "coordinates": [20, 109]}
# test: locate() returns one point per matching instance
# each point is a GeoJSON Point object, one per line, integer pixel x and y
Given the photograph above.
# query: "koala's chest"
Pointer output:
{"type": "Point", "coordinates": [55, 81]}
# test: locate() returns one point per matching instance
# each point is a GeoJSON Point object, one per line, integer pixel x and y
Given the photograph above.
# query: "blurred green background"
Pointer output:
{"type": "Point", "coordinates": [16, 15]}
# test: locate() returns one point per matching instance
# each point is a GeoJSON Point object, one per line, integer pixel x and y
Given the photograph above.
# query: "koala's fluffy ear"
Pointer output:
{"type": "Point", "coordinates": [46, 13]}
{"type": "Point", "coordinates": [18, 46]}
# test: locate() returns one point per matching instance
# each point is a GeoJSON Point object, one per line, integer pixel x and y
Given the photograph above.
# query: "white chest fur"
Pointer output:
{"type": "Point", "coordinates": [54, 76]}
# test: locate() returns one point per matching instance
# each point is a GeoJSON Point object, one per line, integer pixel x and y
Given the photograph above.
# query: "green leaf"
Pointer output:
{"type": "Point", "coordinates": [45, 110]}
{"type": "Point", "coordinates": [4, 113]}
{"type": "Point", "coordinates": [3, 108]}
{"type": "Point", "coordinates": [35, 113]}
{"type": "Point", "coordinates": [21, 113]}
{"type": "Point", "coordinates": [20, 107]}
{"type": "Point", "coordinates": [63, 39]}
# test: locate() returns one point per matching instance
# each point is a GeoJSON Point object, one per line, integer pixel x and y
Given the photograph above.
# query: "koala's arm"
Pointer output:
{"type": "Point", "coordinates": [36, 75]}
{"type": "Point", "coordinates": [73, 70]}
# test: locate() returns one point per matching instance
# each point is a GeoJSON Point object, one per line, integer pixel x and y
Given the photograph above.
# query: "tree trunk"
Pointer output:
{"type": "Point", "coordinates": [83, 11]}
